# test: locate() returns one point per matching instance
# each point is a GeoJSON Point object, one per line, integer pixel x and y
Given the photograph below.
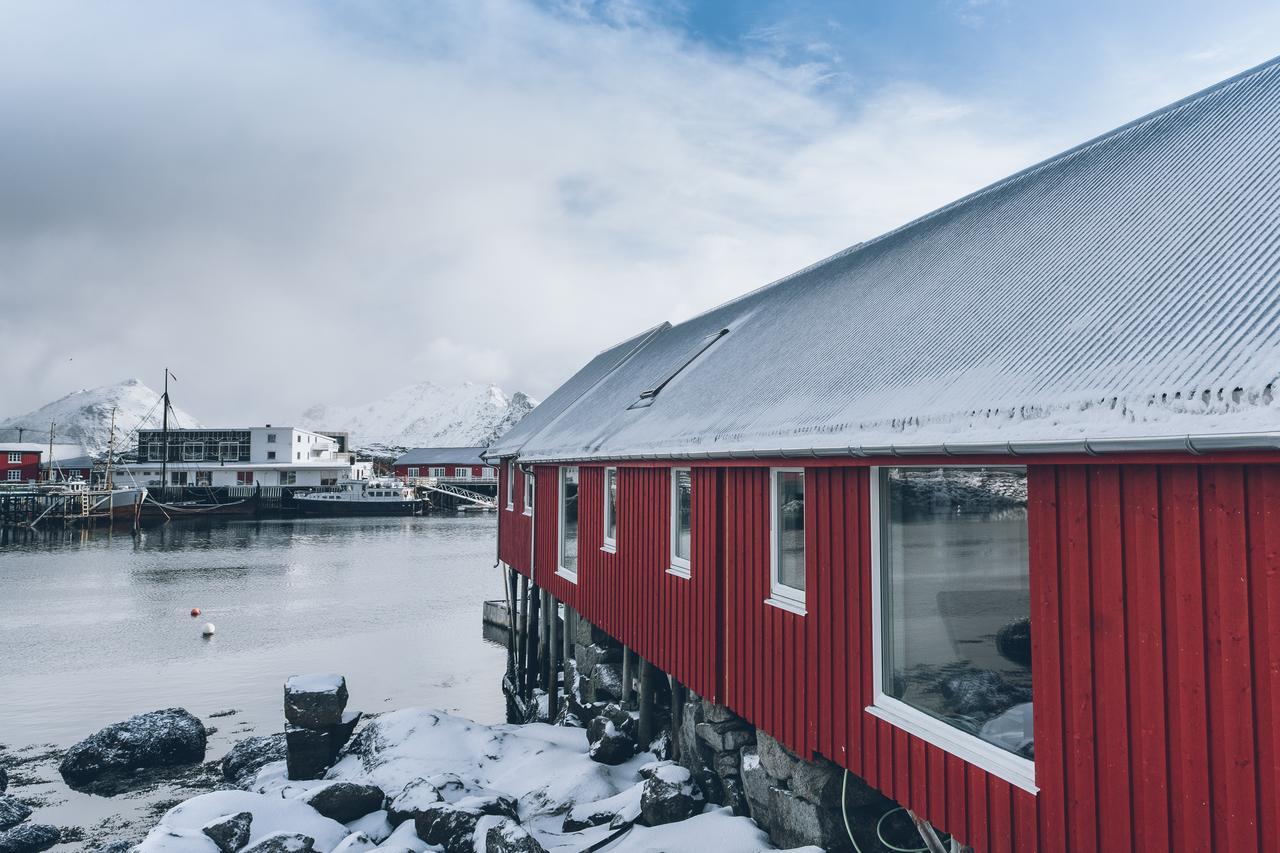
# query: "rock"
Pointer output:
{"type": "Point", "coordinates": [818, 782]}
{"type": "Point", "coordinates": [230, 832]}
{"type": "Point", "coordinates": [1013, 641]}
{"type": "Point", "coordinates": [341, 732]}
{"type": "Point", "coordinates": [309, 752]}
{"type": "Point", "coordinates": [727, 736]}
{"type": "Point", "coordinates": [29, 838]}
{"type": "Point", "coordinates": [283, 842]}
{"type": "Point", "coordinates": [668, 796]}
{"type": "Point", "coordinates": [12, 811]}
{"type": "Point", "coordinates": [755, 785]}
{"type": "Point", "coordinates": [416, 797]}
{"type": "Point", "coordinates": [777, 760]}
{"type": "Point", "coordinates": [591, 655]}
{"type": "Point", "coordinates": [4, 780]}
{"type": "Point", "coordinates": [156, 739]}
{"type": "Point", "coordinates": [453, 825]}
{"type": "Point", "coordinates": [735, 796]}
{"type": "Point", "coordinates": [713, 713]}
{"type": "Point", "coordinates": [605, 683]}
{"type": "Point", "coordinates": [510, 837]}
{"type": "Point", "coordinates": [794, 822]}
{"type": "Point", "coordinates": [709, 784]}
{"type": "Point", "coordinates": [315, 701]}
{"type": "Point", "coordinates": [116, 847]}
{"type": "Point", "coordinates": [725, 764]}
{"type": "Point", "coordinates": [345, 801]}
{"type": "Point", "coordinates": [356, 842]}
{"type": "Point", "coordinates": [247, 757]}
{"type": "Point", "coordinates": [608, 744]}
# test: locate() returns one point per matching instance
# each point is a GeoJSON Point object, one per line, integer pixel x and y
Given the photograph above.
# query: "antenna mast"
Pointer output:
{"type": "Point", "coordinates": [111, 446]}
{"type": "Point", "coordinates": [164, 457]}
{"type": "Point", "coordinates": [48, 471]}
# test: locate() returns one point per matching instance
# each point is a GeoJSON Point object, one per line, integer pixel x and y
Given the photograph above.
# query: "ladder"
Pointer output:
{"type": "Point", "coordinates": [459, 493]}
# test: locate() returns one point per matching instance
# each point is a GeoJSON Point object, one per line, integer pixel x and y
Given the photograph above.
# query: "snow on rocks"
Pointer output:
{"type": "Point", "coordinates": [270, 814]}
{"type": "Point", "coordinates": [283, 842]}
{"type": "Point", "coordinates": [156, 739]}
{"type": "Point", "coordinates": [345, 801]}
{"type": "Point", "coordinates": [412, 801]}
{"type": "Point", "coordinates": [510, 837]}
{"type": "Point", "coordinates": [669, 794]}
{"type": "Point", "coordinates": [242, 763]}
{"type": "Point", "coordinates": [12, 811]}
{"type": "Point", "coordinates": [229, 832]}
{"type": "Point", "coordinates": [29, 838]}
{"type": "Point", "coordinates": [315, 701]}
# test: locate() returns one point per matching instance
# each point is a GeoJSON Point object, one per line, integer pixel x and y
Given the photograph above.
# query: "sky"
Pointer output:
{"type": "Point", "coordinates": [289, 203]}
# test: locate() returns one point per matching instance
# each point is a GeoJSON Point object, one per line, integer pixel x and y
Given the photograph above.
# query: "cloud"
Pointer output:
{"type": "Point", "coordinates": [291, 203]}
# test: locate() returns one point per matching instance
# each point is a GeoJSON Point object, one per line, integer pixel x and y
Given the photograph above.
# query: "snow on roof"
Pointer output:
{"type": "Point", "coordinates": [60, 451]}
{"type": "Point", "coordinates": [441, 456]}
{"type": "Point", "coordinates": [1126, 289]}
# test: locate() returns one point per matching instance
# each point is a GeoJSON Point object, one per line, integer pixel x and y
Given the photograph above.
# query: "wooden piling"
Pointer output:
{"type": "Point", "coordinates": [523, 675]}
{"type": "Point", "coordinates": [648, 675]}
{"type": "Point", "coordinates": [553, 648]}
{"type": "Point", "coordinates": [627, 677]}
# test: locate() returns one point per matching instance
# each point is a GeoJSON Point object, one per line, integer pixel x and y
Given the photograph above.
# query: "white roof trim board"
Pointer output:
{"type": "Point", "coordinates": [1123, 295]}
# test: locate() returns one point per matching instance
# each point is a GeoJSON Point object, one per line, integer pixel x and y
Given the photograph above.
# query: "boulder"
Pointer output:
{"type": "Point", "coordinates": [777, 760]}
{"type": "Point", "coordinates": [726, 736]}
{"type": "Point", "coordinates": [156, 739]}
{"type": "Point", "coordinates": [341, 731]}
{"type": "Point", "coordinates": [608, 744]}
{"type": "Point", "coordinates": [345, 801]}
{"type": "Point", "coordinates": [713, 713]}
{"type": "Point", "coordinates": [510, 837]}
{"type": "Point", "coordinates": [755, 785]}
{"type": "Point", "coordinates": [795, 822]}
{"type": "Point", "coordinates": [29, 838]}
{"type": "Point", "coordinates": [453, 825]}
{"type": "Point", "coordinates": [309, 752]}
{"type": "Point", "coordinates": [116, 847]}
{"type": "Point", "coordinates": [415, 799]}
{"type": "Point", "coordinates": [241, 764]}
{"type": "Point", "coordinates": [283, 842]}
{"type": "Point", "coordinates": [605, 683]}
{"type": "Point", "coordinates": [315, 701]}
{"type": "Point", "coordinates": [4, 779]}
{"type": "Point", "coordinates": [668, 796]}
{"type": "Point", "coordinates": [356, 842]}
{"type": "Point", "coordinates": [229, 832]}
{"type": "Point", "coordinates": [818, 782]}
{"type": "Point", "coordinates": [591, 655]}
{"type": "Point", "coordinates": [12, 811]}
{"type": "Point", "coordinates": [735, 796]}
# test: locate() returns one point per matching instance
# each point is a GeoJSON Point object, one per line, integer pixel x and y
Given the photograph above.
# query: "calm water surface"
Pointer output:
{"type": "Point", "coordinates": [96, 627]}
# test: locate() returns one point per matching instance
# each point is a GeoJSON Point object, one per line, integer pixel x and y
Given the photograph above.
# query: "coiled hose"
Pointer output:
{"type": "Point", "coordinates": [844, 813]}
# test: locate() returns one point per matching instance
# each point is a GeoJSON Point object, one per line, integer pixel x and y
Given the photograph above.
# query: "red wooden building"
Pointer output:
{"type": "Point", "coordinates": [1031, 432]}
{"type": "Point", "coordinates": [19, 462]}
{"type": "Point", "coordinates": [460, 464]}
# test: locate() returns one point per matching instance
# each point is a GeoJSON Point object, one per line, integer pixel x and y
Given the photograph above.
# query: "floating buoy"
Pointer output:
{"type": "Point", "coordinates": [208, 629]}
{"type": "Point", "coordinates": [195, 611]}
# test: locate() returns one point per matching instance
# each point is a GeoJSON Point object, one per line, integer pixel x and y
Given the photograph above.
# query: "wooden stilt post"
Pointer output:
{"type": "Point", "coordinates": [535, 628]}
{"type": "Point", "coordinates": [627, 677]}
{"type": "Point", "coordinates": [513, 637]}
{"type": "Point", "coordinates": [553, 648]}
{"type": "Point", "coordinates": [522, 676]}
{"type": "Point", "coordinates": [570, 620]}
{"type": "Point", "coordinates": [648, 674]}
{"type": "Point", "coordinates": [544, 649]}
{"type": "Point", "coordinates": [677, 715]}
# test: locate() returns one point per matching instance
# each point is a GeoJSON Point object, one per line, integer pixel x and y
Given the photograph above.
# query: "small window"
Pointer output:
{"type": "Point", "coordinates": [681, 520]}
{"type": "Point", "coordinates": [288, 478]}
{"type": "Point", "coordinates": [271, 438]}
{"type": "Point", "coordinates": [14, 475]}
{"type": "Point", "coordinates": [528, 493]}
{"type": "Point", "coordinates": [511, 486]}
{"type": "Point", "coordinates": [193, 451]}
{"type": "Point", "coordinates": [15, 458]}
{"type": "Point", "coordinates": [413, 472]}
{"type": "Point", "coordinates": [299, 454]}
{"type": "Point", "coordinates": [462, 473]}
{"type": "Point", "coordinates": [611, 509]}
{"type": "Point", "coordinates": [952, 612]}
{"type": "Point", "coordinates": [299, 439]}
{"type": "Point", "coordinates": [569, 523]}
{"type": "Point", "coordinates": [786, 534]}
{"type": "Point", "coordinates": [178, 478]}
{"type": "Point", "coordinates": [155, 452]}
{"type": "Point", "coordinates": [271, 454]}
{"type": "Point", "coordinates": [437, 472]}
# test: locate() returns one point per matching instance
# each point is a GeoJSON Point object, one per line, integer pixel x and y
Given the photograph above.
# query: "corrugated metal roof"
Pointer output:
{"type": "Point", "coordinates": [1126, 288]}
{"type": "Point", "coordinates": [441, 456]}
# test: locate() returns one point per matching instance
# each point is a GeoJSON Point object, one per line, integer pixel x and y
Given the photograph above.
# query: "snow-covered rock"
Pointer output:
{"type": "Point", "coordinates": [29, 838]}
{"type": "Point", "coordinates": [155, 739]}
{"type": "Point", "coordinates": [12, 811]}
{"type": "Point", "coordinates": [271, 815]}
{"type": "Point", "coordinates": [426, 415]}
{"type": "Point", "coordinates": [84, 417]}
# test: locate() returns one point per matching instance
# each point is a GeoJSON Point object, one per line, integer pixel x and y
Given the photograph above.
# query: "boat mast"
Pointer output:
{"type": "Point", "coordinates": [48, 471]}
{"type": "Point", "coordinates": [111, 445]}
{"type": "Point", "coordinates": [164, 436]}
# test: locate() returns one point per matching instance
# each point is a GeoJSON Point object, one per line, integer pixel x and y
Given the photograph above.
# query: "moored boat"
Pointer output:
{"type": "Point", "coordinates": [377, 496]}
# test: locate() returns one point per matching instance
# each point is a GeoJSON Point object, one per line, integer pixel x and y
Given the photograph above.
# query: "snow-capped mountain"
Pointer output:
{"type": "Point", "coordinates": [84, 417]}
{"type": "Point", "coordinates": [425, 415]}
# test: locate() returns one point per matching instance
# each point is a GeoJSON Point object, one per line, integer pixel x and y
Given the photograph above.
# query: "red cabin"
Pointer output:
{"type": "Point", "coordinates": [19, 462]}
{"type": "Point", "coordinates": [985, 510]}
{"type": "Point", "coordinates": [446, 464]}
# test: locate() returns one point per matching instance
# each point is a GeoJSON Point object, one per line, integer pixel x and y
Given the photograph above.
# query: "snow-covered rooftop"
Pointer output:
{"type": "Point", "coordinates": [1124, 290]}
{"type": "Point", "coordinates": [441, 456]}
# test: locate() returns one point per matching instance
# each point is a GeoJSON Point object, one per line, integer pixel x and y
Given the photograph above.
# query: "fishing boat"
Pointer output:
{"type": "Point", "coordinates": [377, 496]}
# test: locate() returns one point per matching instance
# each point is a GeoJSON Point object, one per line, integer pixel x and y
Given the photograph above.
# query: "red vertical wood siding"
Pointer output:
{"type": "Point", "coordinates": [1155, 596]}
{"type": "Point", "coordinates": [514, 526]}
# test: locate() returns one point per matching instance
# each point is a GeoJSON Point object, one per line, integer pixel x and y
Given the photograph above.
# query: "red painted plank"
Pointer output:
{"type": "Point", "coordinates": [1077, 658]}
{"type": "Point", "coordinates": [1263, 490]}
{"type": "Point", "coordinates": [979, 837]}
{"type": "Point", "coordinates": [1000, 809]}
{"type": "Point", "coordinates": [1025, 822]}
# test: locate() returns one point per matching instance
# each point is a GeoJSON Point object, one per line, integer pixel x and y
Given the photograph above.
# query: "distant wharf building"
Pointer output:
{"type": "Point", "coordinates": [24, 462]}
{"type": "Point", "coordinates": [459, 465]}
{"type": "Point", "coordinates": [251, 456]}
{"type": "Point", "coordinates": [986, 510]}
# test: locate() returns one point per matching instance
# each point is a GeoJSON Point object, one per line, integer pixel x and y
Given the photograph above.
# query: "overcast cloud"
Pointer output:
{"type": "Point", "coordinates": [287, 205]}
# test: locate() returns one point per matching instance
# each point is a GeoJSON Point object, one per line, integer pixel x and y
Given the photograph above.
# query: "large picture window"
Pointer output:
{"type": "Point", "coordinates": [511, 485]}
{"type": "Point", "coordinates": [953, 607]}
{"type": "Point", "coordinates": [610, 509]}
{"type": "Point", "coordinates": [681, 520]}
{"type": "Point", "coordinates": [786, 534]}
{"type": "Point", "coordinates": [569, 522]}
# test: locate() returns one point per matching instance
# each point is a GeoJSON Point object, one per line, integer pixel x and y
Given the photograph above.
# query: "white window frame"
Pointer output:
{"type": "Point", "coordinates": [412, 473]}
{"type": "Point", "coordinates": [1013, 769]}
{"type": "Point", "coordinates": [530, 492]}
{"type": "Point", "coordinates": [437, 473]}
{"type": "Point", "coordinates": [780, 594]}
{"type": "Point", "coordinates": [15, 457]}
{"type": "Point", "coordinates": [511, 485]}
{"type": "Point", "coordinates": [461, 472]}
{"type": "Point", "coordinates": [609, 543]}
{"type": "Point", "coordinates": [14, 475]}
{"type": "Point", "coordinates": [567, 573]}
{"type": "Point", "coordinates": [678, 566]}
{"type": "Point", "coordinates": [193, 451]}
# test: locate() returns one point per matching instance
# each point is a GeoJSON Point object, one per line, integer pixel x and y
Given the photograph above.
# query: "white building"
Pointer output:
{"type": "Point", "coordinates": [254, 456]}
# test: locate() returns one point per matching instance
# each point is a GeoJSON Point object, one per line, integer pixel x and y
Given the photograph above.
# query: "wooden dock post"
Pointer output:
{"type": "Point", "coordinates": [647, 677]}
{"type": "Point", "coordinates": [513, 634]}
{"type": "Point", "coordinates": [553, 648]}
{"type": "Point", "coordinates": [678, 695]}
{"type": "Point", "coordinates": [627, 677]}
{"type": "Point", "coordinates": [523, 675]}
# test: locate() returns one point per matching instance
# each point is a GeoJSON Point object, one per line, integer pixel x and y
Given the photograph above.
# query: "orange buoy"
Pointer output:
{"type": "Point", "coordinates": [195, 611]}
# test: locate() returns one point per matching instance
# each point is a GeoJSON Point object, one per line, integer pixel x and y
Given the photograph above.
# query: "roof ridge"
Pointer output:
{"type": "Point", "coordinates": [1008, 179]}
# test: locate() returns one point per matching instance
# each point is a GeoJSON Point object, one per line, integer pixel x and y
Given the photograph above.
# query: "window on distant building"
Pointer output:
{"type": "Point", "coordinates": [298, 439]}
{"type": "Point", "coordinates": [177, 478]}
{"type": "Point", "coordinates": [14, 474]}
{"type": "Point", "coordinates": [271, 454]}
{"type": "Point", "coordinates": [271, 438]}
{"type": "Point", "coordinates": [244, 478]}
{"type": "Point", "coordinates": [299, 454]}
{"type": "Point", "coordinates": [681, 520]}
{"type": "Point", "coordinates": [462, 473]}
{"type": "Point", "coordinates": [288, 478]}
{"type": "Point", "coordinates": [15, 457]}
{"type": "Point", "coordinates": [569, 523]}
{"type": "Point", "coordinates": [437, 472]}
{"type": "Point", "coordinates": [328, 481]}
{"type": "Point", "coordinates": [413, 472]}
{"type": "Point", "coordinates": [528, 492]}
{"type": "Point", "coordinates": [786, 534]}
{"type": "Point", "coordinates": [155, 452]}
{"type": "Point", "coordinates": [511, 486]}
{"type": "Point", "coordinates": [611, 509]}
{"type": "Point", "coordinates": [192, 451]}
{"type": "Point", "coordinates": [487, 473]}
{"type": "Point", "coordinates": [229, 450]}
{"type": "Point", "coordinates": [952, 612]}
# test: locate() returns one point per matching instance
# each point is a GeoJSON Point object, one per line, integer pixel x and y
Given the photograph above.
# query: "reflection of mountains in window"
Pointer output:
{"type": "Point", "coordinates": [964, 490]}
{"type": "Point", "coordinates": [672, 369]}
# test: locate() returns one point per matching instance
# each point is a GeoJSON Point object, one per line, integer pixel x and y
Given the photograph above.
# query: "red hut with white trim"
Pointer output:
{"type": "Point", "coordinates": [985, 510]}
